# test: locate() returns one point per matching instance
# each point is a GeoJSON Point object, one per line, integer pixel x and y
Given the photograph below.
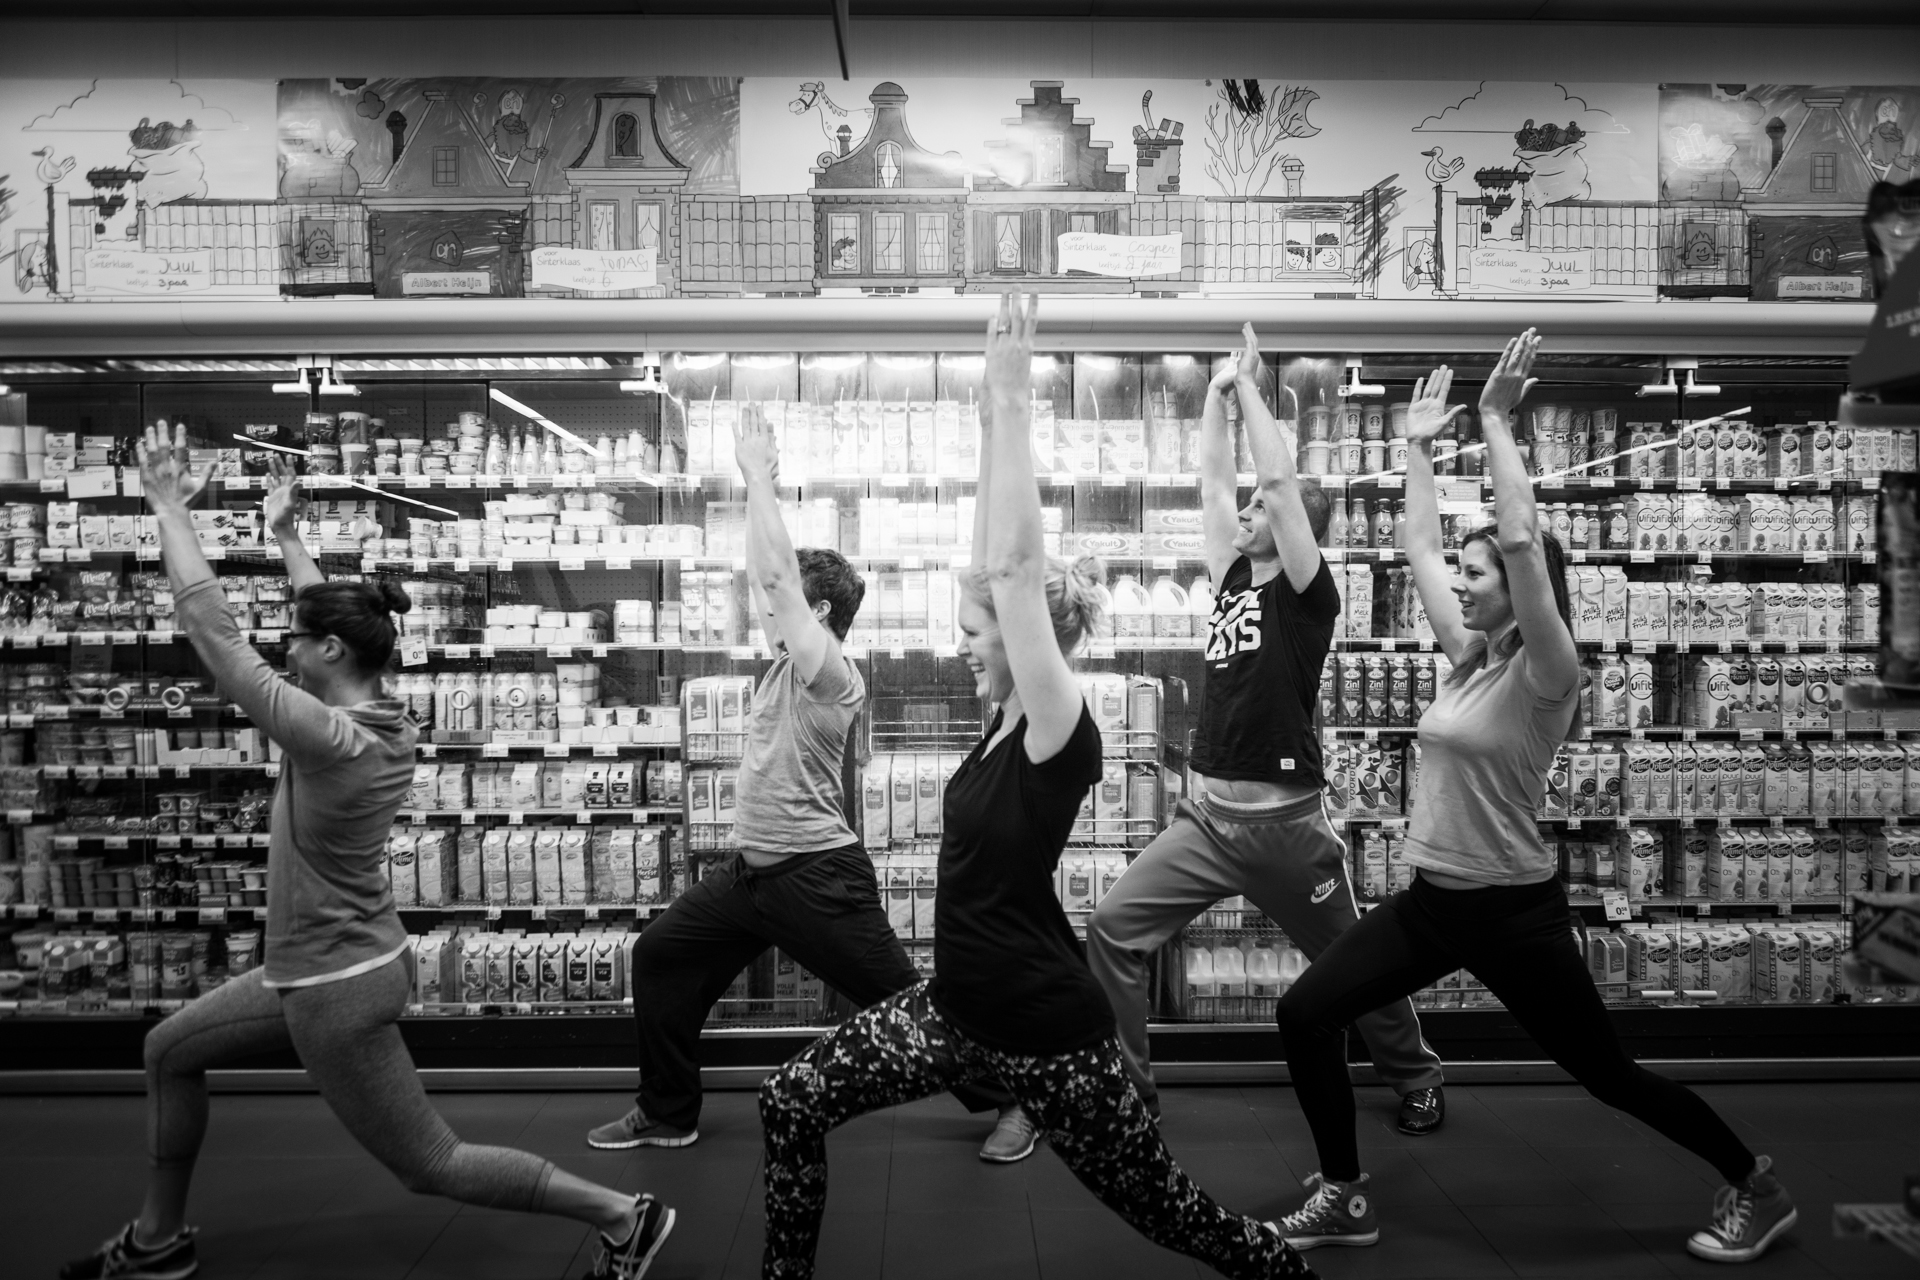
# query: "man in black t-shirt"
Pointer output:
{"type": "Point", "coordinates": [1255, 824]}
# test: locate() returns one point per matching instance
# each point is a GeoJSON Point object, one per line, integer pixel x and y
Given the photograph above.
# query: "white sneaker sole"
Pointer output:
{"type": "Point", "coordinates": [1015, 1158]}
{"type": "Point", "coordinates": [1752, 1251]}
{"type": "Point", "coordinates": [630, 1143]}
{"type": "Point", "coordinates": [1350, 1239]}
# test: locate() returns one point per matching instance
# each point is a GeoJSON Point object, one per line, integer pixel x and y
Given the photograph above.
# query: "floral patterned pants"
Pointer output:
{"type": "Point", "coordinates": [902, 1049]}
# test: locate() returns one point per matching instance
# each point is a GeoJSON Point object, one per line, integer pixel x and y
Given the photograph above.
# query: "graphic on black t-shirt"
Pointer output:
{"type": "Point", "coordinates": [1265, 645]}
{"type": "Point", "coordinates": [1234, 626]}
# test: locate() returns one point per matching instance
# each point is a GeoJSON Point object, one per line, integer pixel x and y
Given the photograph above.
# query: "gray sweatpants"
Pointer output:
{"type": "Point", "coordinates": [1288, 862]}
{"type": "Point", "coordinates": [346, 1037]}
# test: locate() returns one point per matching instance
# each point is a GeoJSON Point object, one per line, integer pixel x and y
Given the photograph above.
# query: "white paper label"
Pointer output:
{"type": "Point", "coordinates": [593, 270]}
{"type": "Point", "coordinates": [1517, 271]}
{"type": "Point", "coordinates": [1105, 255]}
{"type": "Point", "coordinates": [131, 271]}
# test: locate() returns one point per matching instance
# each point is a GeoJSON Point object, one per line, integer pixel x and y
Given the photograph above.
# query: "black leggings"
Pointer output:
{"type": "Point", "coordinates": [1517, 940]}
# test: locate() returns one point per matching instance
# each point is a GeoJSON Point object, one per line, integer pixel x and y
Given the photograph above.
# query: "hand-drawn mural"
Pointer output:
{"type": "Point", "coordinates": [132, 187]}
{"type": "Point", "coordinates": [422, 187]}
{"type": "Point", "coordinates": [1763, 186]}
{"type": "Point", "coordinates": [425, 187]}
{"type": "Point", "coordinates": [1561, 197]}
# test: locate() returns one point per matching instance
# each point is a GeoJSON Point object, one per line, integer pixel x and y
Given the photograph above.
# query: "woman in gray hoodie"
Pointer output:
{"type": "Point", "coordinates": [338, 968]}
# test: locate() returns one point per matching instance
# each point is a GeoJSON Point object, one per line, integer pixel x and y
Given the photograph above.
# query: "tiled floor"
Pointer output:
{"type": "Point", "coordinates": [1525, 1180]}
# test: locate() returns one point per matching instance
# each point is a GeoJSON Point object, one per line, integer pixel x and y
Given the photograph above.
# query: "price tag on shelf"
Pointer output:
{"type": "Point", "coordinates": [1869, 557]}
{"type": "Point", "coordinates": [166, 842]}
{"type": "Point", "coordinates": [1723, 482]}
{"type": "Point", "coordinates": [1578, 555]}
{"type": "Point", "coordinates": [462, 564]}
{"type": "Point", "coordinates": [67, 915]}
{"type": "Point", "coordinates": [1703, 908]}
{"type": "Point", "coordinates": [1643, 646]}
{"type": "Point", "coordinates": [1640, 556]}
{"type": "Point", "coordinates": [503, 563]}
{"type": "Point", "coordinates": [183, 771]}
{"type": "Point", "coordinates": [1869, 482]}
{"type": "Point", "coordinates": [1113, 482]}
{"type": "Point", "coordinates": [421, 564]}
{"type": "Point", "coordinates": [413, 651]}
{"type": "Point", "coordinates": [1573, 824]}
{"type": "Point", "coordinates": [1616, 904]}
{"type": "Point", "coordinates": [603, 749]}
{"type": "Point", "coordinates": [516, 817]}
{"type": "Point", "coordinates": [559, 651]}
{"type": "Point", "coordinates": [493, 750]}
{"type": "Point", "coordinates": [599, 651]}
{"type": "Point", "coordinates": [458, 650]}
{"type": "Point", "coordinates": [1776, 822]}
{"type": "Point", "coordinates": [416, 482]}
{"type": "Point", "coordinates": [468, 817]}
{"type": "Point", "coordinates": [556, 750]}
{"type": "Point", "coordinates": [1813, 557]}
{"type": "Point", "coordinates": [619, 564]}
{"type": "Point", "coordinates": [592, 911]}
{"type": "Point", "coordinates": [1687, 482]}
{"type": "Point", "coordinates": [1600, 482]}
{"type": "Point", "coordinates": [583, 815]}
{"type": "Point", "coordinates": [459, 482]}
{"type": "Point", "coordinates": [572, 564]}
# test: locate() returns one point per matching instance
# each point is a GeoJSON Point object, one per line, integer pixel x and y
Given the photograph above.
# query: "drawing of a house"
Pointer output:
{"type": "Point", "coordinates": [1804, 236]}
{"type": "Point", "coordinates": [1619, 239]}
{"type": "Point", "coordinates": [444, 218]}
{"type": "Point", "coordinates": [1048, 177]}
{"type": "Point", "coordinates": [626, 188]}
{"type": "Point", "coordinates": [888, 214]}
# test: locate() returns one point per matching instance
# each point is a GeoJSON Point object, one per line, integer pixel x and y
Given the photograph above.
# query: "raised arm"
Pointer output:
{"type": "Point", "coordinates": [1427, 417]}
{"type": "Point", "coordinates": [772, 567]}
{"type": "Point", "coordinates": [285, 505]}
{"type": "Point", "coordinates": [1016, 555]}
{"type": "Point", "coordinates": [1552, 660]}
{"type": "Point", "coordinates": [1219, 484]}
{"type": "Point", "coordinates": [303, 725]}
{"type": "Point", "coordinates": [1275, 474]}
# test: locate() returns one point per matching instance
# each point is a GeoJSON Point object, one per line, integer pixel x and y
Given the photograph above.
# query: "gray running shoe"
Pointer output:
{"type": "Point", "coordinates": [635, 1129]}
{"type": "Point", "coordinates": [1012, 1140]}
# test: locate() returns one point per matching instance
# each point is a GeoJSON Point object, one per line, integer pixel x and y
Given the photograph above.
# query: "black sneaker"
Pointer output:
{"type": "Point", "coordinates": [1747, 1218]}
{"type": "Point", "coordinates": [638, 1129]}
{"type": "Point", "coordinates": [629, 1259]}
{"type": "Point", "coordinates": [1423, 1111]}
{"type": "Point", "coordinates": [121, 1259]}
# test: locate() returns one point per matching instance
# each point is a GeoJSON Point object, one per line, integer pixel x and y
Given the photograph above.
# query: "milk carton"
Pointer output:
{"type": "Point", "coordinates": [1639, 691]}
{"type": "Point", "coordinates": [1730, 964]}
{"type": "Point", "coordinates": [876, 803]}
{"type": "Point", "coordinates": [1613, 613]}
{"type": "Point", "coordinates": [1692, 962]}
{"type": "Point", "coordinates": [903, 802]}
{"type": "Point", "coordinates": [1779, 975]}
{"type": "Point", "coordinates": [1588, 603]}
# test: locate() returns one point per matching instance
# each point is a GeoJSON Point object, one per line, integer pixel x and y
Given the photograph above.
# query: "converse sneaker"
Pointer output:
{"type": "Point", "coordinates": [1012, 1140]}
{"type": "Point", "coordinates": [1422, 1112]}
{"type": "Point", "coordinates": [1747, 1217]}
{"type": "Point", "coordinates": [637, 1129]}
{"type": "Point", "coordinates": [629, 1259]}
{"type": "Point", "coordinates": [1336, 1213]}
{"type": "Point", "coordinates": [122, 1258]}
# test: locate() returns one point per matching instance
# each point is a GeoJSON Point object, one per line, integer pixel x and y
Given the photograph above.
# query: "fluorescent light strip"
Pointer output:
{"type": "Point", "coordinates": [398, 497]}
{"type": "Point", "coordinates": [558, 430]}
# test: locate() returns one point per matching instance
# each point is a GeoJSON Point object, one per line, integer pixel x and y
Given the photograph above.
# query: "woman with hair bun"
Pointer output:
{"type": "Point", "coordinates": [338, 970]}
{"type": "Point", "coordinates": [1012, 999]}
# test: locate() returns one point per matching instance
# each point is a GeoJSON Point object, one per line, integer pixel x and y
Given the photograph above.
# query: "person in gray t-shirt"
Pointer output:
{"type": "Point", "coordinates": [801, 881]}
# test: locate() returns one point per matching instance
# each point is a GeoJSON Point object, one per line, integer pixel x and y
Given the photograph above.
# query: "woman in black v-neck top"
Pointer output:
{"type": "Point", "coordinates": [1012, 998]}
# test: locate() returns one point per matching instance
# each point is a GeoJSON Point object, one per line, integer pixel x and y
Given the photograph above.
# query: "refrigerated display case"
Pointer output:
{"type": "Point", "coordinates": [582, 653]}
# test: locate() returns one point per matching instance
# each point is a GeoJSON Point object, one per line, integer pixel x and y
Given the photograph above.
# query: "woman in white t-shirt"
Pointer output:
{"type": "Point", "coordinates": [1485, 896]}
